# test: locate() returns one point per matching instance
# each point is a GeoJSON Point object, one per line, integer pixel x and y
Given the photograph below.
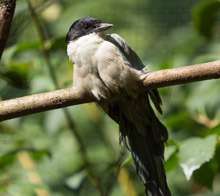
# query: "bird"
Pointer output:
{"type": "Point", "coordinates": [107, 68]}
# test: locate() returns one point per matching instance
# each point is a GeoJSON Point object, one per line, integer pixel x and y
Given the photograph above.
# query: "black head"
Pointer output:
{"type": "Point", "coordinates": [85, 26]}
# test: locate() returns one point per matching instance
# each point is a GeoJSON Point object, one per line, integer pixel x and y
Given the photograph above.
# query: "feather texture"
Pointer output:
{"type": "Point", "coordinates": [107, 67]}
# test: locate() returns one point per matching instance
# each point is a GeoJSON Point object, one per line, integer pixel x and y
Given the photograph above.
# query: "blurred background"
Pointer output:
{"type": "Point", "coordinates": [75, 151]}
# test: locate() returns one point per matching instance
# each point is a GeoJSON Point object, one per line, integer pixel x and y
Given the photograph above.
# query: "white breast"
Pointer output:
{"type": "Point", "coordinates": [99, 67]}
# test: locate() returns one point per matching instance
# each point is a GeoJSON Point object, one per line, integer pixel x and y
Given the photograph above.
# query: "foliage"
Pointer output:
{"type": "Point", "coordinates": [53, 153]}
{"type": "Point", "coordinates": [205, 15]}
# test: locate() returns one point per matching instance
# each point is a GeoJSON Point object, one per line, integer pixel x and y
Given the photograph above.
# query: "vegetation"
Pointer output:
{"type": "Point", "coordinates": [75, 151]}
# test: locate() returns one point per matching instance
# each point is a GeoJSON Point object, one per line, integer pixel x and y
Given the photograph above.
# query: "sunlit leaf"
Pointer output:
{"type": "Point", "coordinates": [23, 46]}
{"type": "Point", "coordinates": [169, 150]}
{"type": "Point", "coordinates": [171, 158]}
{"type": "Point", "coordinates": [196, 151]}
{"type": "Point", "coordinates": [76, 181]}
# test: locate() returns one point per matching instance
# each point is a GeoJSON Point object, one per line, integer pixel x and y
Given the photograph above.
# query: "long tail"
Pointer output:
{"type": "Point", "coordinates": [148, 159]}
{"type": "Point", "coordinates": [146, 140]}
{"type": "Point", "coordinates": [146, 136]}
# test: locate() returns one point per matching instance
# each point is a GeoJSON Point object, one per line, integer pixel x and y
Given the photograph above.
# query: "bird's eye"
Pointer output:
{"type": "Point", "coordinates": [86, 26]}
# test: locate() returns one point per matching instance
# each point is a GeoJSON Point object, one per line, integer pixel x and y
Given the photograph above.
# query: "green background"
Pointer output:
{"type": "Point", "coordinates": [76, 151]}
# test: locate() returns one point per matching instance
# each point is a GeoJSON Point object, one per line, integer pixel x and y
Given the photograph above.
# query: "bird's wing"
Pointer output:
{"type": "Point", "coordinates": [134, 61]}
{"type": "Point", "coordinates": [126, 50]}
{"type": "Point", "coordinates": [138, 123]}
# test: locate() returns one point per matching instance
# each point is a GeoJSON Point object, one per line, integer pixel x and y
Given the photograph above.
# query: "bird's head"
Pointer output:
{"type": "Point", "coordinates": [85, 26]}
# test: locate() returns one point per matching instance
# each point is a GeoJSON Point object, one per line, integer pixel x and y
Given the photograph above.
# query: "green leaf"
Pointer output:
{"type": "Point", "coordinates": [127, 161]}
{"type": "Point", "coordinates": [214, 130]}
{"type": "Point", "coordinates": [76, 181]}
{"type": "Point", "coordinates": [58, 43]}
{"type": "Point", "coordinates": [7, 160]}
{"type": "Point", "coordinates": [171, 158]}
{"type": "Point", "coordinates": [16, 75]}
{"type": "Point", "coordinates": [23, 46]}
{"type": "Point", "coordinates": [37, 155]}
{"type": "Point", "coordinates": [196, 151]}
{"type": "Point", "coordinates": [205, 175]}
{"type": "Point", "coordinates": [24, 188]}
{"type": "Point", "coordinates": [169, 151]}
{"type": "Point", "coordinates": [205, 16]}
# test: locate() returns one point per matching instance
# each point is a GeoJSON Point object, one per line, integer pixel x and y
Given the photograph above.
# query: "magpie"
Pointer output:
{"type": "Point", "coordinates": [106, 67]}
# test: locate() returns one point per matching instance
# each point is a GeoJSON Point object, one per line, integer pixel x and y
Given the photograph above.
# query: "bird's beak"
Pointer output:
{"type": "Point", "coordinates": [103, 27]}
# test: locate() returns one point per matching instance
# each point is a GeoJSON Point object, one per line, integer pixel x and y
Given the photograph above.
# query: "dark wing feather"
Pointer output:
{"type": "Point", "coordinates": [134, 62]}
{"type": "Point", "coordinates": [137, 122]}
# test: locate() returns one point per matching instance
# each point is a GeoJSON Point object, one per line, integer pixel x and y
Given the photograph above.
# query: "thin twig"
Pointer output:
{"type": "Point", "coordinates": [66, 97]}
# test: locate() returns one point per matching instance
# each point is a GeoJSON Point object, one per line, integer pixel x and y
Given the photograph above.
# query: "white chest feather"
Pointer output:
{"type": "Point", "coordinates": [99, 67]}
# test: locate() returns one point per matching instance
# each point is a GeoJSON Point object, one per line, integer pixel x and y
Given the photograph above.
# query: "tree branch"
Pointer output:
{"type": "Point", "coordinates": [7, 8]}
{"type": "Point", "coordinates": [182, 75]}
{"type": "Point", "coordinates": [66, 97]}
{"type": "Point", "coordinates": [41, 102]}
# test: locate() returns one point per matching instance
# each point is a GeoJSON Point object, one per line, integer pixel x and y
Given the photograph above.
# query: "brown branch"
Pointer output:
{"type": "Point", "coordinates": [7, 8]}
{"type": "Point", "coordinates": [41, 102]}
{"type": "Point", "coordinates": [66, 97]}
{"type": "Point", "coordinates": [182, 75]}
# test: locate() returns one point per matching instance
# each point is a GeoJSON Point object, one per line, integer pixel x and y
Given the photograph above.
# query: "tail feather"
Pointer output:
{"type": "Point", "coordinates": [146, 136]}
{"type": "Point", "coordinates": [146, 145]}
{"type": "Point", "coordinates": [149, 163]}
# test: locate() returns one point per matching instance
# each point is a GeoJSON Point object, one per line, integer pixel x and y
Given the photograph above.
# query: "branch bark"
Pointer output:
{"type": "Point", "coordinates": [182, 75]}
{"type": "Point", "coordinates": [7, 8]}
{"type": "Point", "coordinates": [66, 97]}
